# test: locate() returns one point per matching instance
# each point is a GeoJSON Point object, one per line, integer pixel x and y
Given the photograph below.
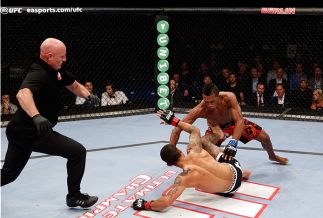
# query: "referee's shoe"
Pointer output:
{"type": "Point", "coordinates": [82, 200]}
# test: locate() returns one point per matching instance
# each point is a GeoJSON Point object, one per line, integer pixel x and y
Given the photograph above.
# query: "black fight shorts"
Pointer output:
{"type": "Point", "coordinates": [236, 170]}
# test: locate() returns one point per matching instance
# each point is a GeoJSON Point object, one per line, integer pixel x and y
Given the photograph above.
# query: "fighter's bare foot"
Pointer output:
{"type": "Point", "coordinates": [246, 174]}
{"type": "Point", "coordinates": [281, 160]}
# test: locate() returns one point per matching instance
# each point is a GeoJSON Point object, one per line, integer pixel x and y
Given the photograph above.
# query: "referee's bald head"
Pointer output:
{"type": "Point", "coordinates": [53, 52]}
{"type": "Point", "coordinates": [49, 44]}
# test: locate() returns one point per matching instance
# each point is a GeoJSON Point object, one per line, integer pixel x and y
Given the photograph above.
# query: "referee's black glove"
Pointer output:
{"type": "Point", "coordinates": [44, 127]}
{"type": "Point", "coordinates": [93, 99]}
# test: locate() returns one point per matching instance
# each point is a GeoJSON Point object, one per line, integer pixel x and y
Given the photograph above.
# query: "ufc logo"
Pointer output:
{"type": "Point", "coordinates": [139, 203]}
{"type": "Point", "coordinates": [169, 115]}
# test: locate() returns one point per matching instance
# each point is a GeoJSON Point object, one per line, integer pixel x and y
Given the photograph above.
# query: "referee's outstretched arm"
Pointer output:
{"type": "Point", "coordinates": [78, 89]}
{"type": "Point", "coordinates": [82, 92]}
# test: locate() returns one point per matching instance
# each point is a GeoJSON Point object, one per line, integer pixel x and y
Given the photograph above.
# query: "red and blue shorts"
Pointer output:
{"type": "Point", "coordinates": [250, 131]}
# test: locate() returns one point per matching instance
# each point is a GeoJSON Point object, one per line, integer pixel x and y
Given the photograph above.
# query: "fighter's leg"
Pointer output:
{"type": "Point", "coordinates": [208, 144]}
{"type": "Point", "coordinates": [265, 141]}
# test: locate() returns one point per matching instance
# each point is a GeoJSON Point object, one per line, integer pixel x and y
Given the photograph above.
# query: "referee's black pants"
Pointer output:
{"type": "Point", "coordinates": [18, 154]}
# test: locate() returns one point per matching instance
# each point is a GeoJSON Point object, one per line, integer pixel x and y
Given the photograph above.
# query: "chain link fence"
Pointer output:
{"type": "Point", "coordinates": [250, 54]}
{"type": "Point", "coordinates": [113, 54]}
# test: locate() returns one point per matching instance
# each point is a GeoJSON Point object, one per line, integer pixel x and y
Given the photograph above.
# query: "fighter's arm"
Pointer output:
{"type": "Point", "coordinates": [171, 196]}
{"type": "Point", "coordinates": [236, 114]}
{"type": "Point", "coordinates": [230, 149]}
{"type": "Point", "coordinates": [189, 118]}
{"type": "Point", "coordinates": [195, 143]}
{"type": "Point", "coordinates": [167, 200]}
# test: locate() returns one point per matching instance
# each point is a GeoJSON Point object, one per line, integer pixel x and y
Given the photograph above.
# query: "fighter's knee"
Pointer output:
{"type": "Point", "coordinates": [206, 140]}
{"type": "Point", "coordinates": [264, 136]}
{"type": "Point", "coordinates": [203, 139]}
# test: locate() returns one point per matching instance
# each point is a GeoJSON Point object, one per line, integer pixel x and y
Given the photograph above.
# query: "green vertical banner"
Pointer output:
{"type": "Point", "coordinates": [163, 97]}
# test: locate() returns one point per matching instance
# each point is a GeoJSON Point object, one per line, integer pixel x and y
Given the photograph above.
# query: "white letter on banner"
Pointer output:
{"type": "Point", "coordinates": [163, 39]}
{"type": "Point", "coordinates": [163, 78]}
{"type": "Point", "coordinates": [163, 90]}
{"type": "Point", "coordinates": [164, 103]}
{"type": "Point", "coordinates": [162, 52]}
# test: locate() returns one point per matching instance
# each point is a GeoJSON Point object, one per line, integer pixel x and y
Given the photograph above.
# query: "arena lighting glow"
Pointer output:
{"type": "Point", "coordinates": [163, 65]}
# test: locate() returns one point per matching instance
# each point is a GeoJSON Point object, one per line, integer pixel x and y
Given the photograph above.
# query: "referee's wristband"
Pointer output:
{"type": "Point", "coordinates": [233, 142]}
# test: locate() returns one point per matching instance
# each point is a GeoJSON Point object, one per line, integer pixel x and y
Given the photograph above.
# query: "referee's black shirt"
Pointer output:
{"type": "Point", "coordinates": [46, 84]}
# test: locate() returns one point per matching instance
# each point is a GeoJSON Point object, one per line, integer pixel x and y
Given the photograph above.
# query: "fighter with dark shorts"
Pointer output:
{"type": "Point", "coordinates": [250, 131]}
{"type": "Point", "coordinates": [200, 169]}
{"type": "Point", "coordinates": [236, 170]}
{"type": "Point", "coordinates": [224, 116]}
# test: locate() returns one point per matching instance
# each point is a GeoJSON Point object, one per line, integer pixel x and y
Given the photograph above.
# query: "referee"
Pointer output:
{"type": "Point", "coordinates": [31, 127]}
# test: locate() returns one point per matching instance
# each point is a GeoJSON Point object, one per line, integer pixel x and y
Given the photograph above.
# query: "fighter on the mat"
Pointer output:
{"type": "Point", "coordinates": [222, 109]}
{"type": "Point", "coordinates": [200, 169]}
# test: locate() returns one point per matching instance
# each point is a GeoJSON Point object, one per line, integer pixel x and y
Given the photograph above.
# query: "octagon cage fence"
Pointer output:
{"type": "Point", "coordinates": [235, 48]}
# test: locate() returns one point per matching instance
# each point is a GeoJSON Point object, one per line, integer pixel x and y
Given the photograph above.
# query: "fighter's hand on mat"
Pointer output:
{"type": "Point", "coordinates": [168, 117]}
{"type": "Point", "coordinates": [230, 150]}
{"type": "Point", "coordinates": [93, 99]}
{"type": "Point", "coordinates": [44, 127]}
{"type": "Point", "coordinates": [141, 204]}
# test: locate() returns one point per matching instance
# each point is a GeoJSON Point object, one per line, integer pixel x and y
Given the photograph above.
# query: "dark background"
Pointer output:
{"type": "Point", "coordinates": [165, 3]}
{"type": "Point", "coordinates": [95, 38]}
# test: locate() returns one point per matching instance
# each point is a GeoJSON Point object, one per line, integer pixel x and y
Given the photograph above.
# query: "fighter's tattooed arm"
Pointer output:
{"type": "Point", "coordinates": [177, 189]}
{"type": "Point", "coordinates": [195, 144]}
{"type": "Point", "coordinates": [177, 183]}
